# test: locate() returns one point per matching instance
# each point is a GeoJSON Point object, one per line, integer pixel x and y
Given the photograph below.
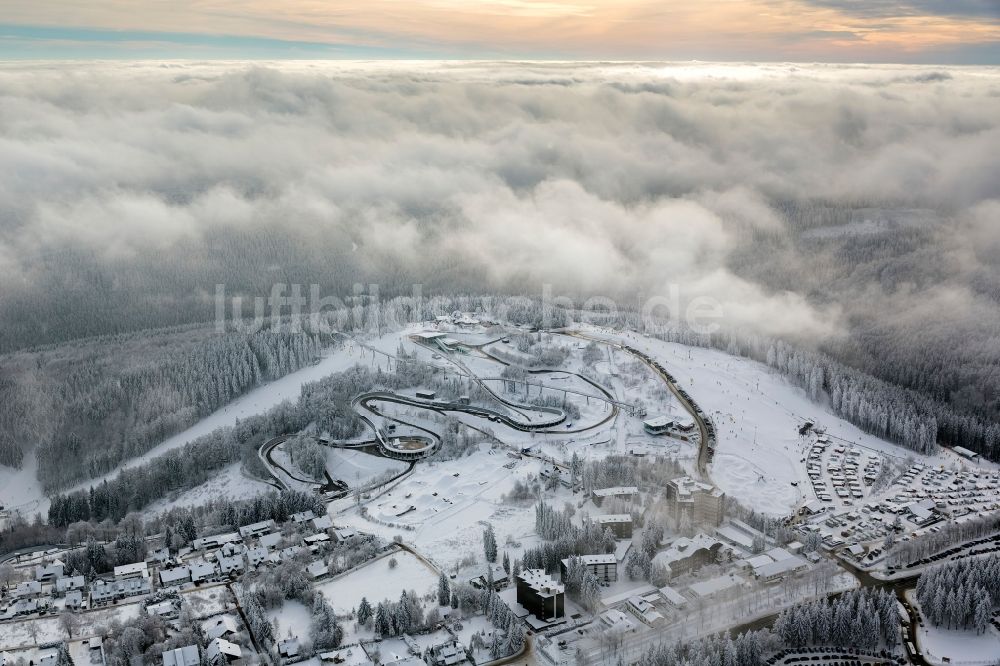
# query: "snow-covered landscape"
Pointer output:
{"type": "Point", "coordinates": [500, 332]}
{"type": "Point", "coordinates": [768, 533]}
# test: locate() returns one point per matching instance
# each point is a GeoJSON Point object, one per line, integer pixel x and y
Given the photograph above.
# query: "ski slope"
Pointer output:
{"type": "Point", "coordinates": [757, 414]}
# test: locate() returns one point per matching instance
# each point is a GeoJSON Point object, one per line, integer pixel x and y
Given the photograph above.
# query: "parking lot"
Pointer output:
{"type": "Point", "coordinates": [827, 656]}
{"type": "Point", "coordinates": [921, 500]}
{"type": "Point", "coordinates": [841, 474]}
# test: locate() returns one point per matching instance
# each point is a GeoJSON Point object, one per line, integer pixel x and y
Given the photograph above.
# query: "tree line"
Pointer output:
{"type": "Point", "coordinates": [865, 618]}
{"type": "Point", "coordinates": [961, 594]}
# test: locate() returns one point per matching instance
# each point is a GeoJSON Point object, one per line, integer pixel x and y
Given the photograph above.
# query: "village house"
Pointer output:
{"type": "Point", "coordinates": [182, 656]}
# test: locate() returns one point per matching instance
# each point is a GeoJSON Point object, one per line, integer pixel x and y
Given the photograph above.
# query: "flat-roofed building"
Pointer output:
{"type": "Point", "coordinates": [165, 609]}
{"type": "Point", "coordinates": [735, 537]}
{"type": "Point", "coordinates": [621, 492]}
{"type": "Point", "coordinates": [716, 587]}
{"type": "Point", "coordinates": [779, 569]}
{"type": "Point", "coordinates": [673, 597]}
{"type": "Point", "coordinates": [620, 524]}
{"type": "Point", "coordinates": [540, 595]}
{"type": "Point", "coordinates": [658, 425]}
{"type": "Point", "coordinates": [605, 567]}
{"type": "Point", "coordinates": [700, 503]}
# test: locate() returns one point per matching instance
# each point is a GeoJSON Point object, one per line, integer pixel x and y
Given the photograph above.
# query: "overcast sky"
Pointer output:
{"type": "Point", "coordinates": [909, 31]}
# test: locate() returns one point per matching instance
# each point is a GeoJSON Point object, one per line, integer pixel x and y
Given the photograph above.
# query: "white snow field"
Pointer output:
{"type": "Point", "coordinates": [292, 618]}
{"type": "Point", "coordinates": [379, 580]}
{"type": "Point", "coordinates": [49, 629]}
{"type": "Point", "coordinates": [356, 468]}
{"type": "Point", "coordinates": [20, 489]}
{"type": "Point", "coordinates": [958, 647]}
{"type": "Point", "coordinates": [230, 484]}
{"type": "Point", "coordinates": [757, 413]}
{"type": "Point", "coordinates": [443, 507]}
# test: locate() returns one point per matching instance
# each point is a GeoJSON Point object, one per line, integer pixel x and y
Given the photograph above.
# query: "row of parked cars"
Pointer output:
{"type": "Point", "coordinates": [832, 656]}
{"type": "Point", "coordinates": [970, 546]}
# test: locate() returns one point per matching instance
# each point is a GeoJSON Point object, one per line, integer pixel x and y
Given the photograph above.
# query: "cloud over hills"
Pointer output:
{"type": "Point", "coordinates": [148, 183]}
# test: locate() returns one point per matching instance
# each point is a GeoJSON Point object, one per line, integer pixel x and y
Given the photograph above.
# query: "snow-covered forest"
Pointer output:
{"type": "Point", "coordinates": [745, 650]}
{"type": "Point", "coordinates": [961, 594]}
{"type": "Point", "coordinates": [867, 618]}
{"type": "Point", "coordinates": [103, 401]}
{"type": "Point", "coordinates": [864, 619]}
{"type": "Point", "coordinates": [324, 405]}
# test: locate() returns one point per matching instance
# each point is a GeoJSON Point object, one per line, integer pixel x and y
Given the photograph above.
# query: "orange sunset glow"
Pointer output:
{"type": "Point", "coordinates": [553, 29]}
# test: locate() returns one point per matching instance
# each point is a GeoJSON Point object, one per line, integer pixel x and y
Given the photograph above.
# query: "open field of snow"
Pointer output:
{"type": "Point", "coordinates": [378, 581]}
{"type": "Point", "coordinates": [757, 413]}
{"type": "Point", "coordinates": [292, 617]}
{"type": "Point", "coordinates": [356, 468]}
{"type": "Point", "coordinates": [208, 601]}
{"type": "Point", "coordinates": [20, 489]}
{"type": "Point", "coordinates": [48, 629]}
{"type": "Point", "coordinates": [447, 505]}
{"type": "Point", "coordinates": [229, 484]}
{"type": "Point", "coordinates": [959, 647]}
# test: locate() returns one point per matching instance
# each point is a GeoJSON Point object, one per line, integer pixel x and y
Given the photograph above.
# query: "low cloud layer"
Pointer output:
{"type": "Point", "coordinates": [149, 183]}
